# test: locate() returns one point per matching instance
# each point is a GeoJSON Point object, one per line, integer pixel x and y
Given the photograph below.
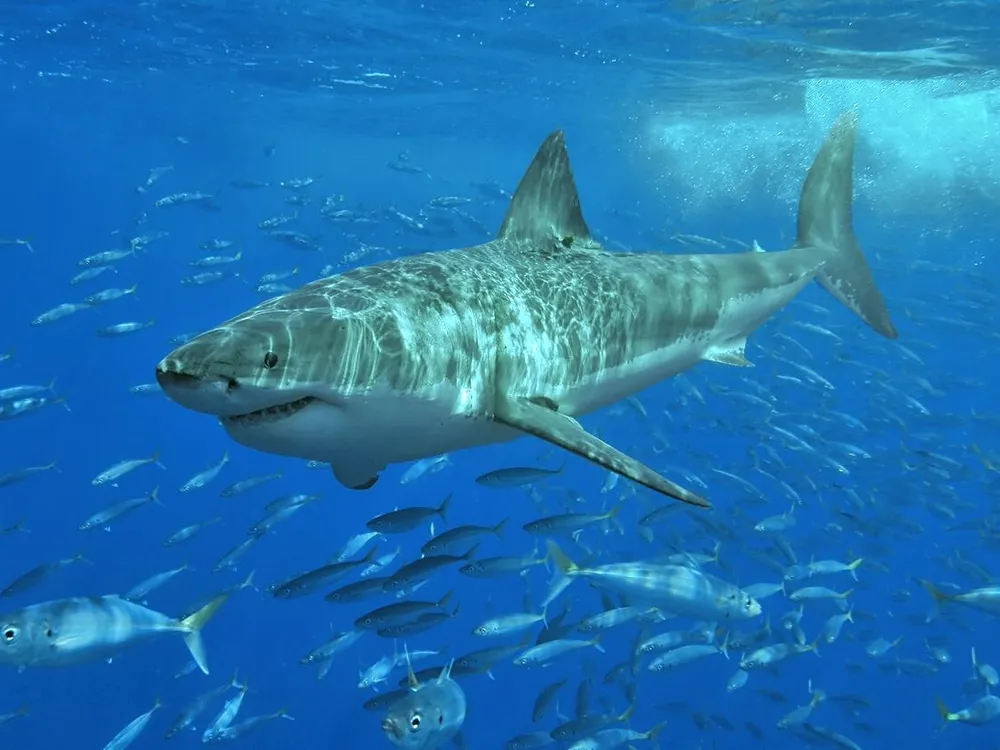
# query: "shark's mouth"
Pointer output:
{"type": "Point", "coordinates": [269, 414]}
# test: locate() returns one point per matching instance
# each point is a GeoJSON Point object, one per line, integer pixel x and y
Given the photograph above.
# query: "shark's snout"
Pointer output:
{"type": "Point", "coordinates": [192, 390]}
{"type": "Point", "coordinates": [168, 375]}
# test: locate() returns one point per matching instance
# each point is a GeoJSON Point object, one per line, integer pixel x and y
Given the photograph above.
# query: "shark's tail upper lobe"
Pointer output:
{"type": "Point", "coordinates": [825, 223]}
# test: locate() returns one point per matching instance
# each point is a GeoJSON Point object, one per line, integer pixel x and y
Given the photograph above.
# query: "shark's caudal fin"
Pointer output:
{"type": "Point", "coordinates": [546, 209]}
{"type": "Point", "coordinates": [825, 222]}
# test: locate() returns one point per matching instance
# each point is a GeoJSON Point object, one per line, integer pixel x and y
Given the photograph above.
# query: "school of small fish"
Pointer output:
{"type": "Point", "coordinates": [796, 560]}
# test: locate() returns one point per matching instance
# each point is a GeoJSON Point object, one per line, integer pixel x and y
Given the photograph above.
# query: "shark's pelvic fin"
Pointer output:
{"type": "Point", "coordinates": [356, 477]}
{"type": "Point", "coordinates": [539, 418]}
{"type": "Point", "coordinates": [545, 209]}
{"type": "Point", "coordinates": [825, 223]}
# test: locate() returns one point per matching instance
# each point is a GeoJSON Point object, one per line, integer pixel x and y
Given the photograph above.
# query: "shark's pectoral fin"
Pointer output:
{"type": "Point", "coordinates": [356, 477]}
{"type": "Point", "coordinates": [733, 354]}
{"type": "Point", "coordinates": [539, 417]}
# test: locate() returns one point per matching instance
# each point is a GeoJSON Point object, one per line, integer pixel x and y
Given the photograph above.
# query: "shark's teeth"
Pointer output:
{"type": "Point", "coordinates": [271, 413]}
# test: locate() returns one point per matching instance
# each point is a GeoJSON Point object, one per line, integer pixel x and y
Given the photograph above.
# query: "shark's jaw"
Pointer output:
{"type": "Point", "coordinates": [268, 414]}
{"type": "Point", "coordinates": [292, 422]}
{"type": "Point", "coordinates": [233, 401]}
{"type": "Point", "coordinates": [307, 427]}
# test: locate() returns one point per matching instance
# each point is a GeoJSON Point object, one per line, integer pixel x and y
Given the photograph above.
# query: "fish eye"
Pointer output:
{"type": "Point", "coordinates": [415, 722]}
{"type": "Point", "coordinates": [748, 605]}
{"type": "Point", "coordinates": [270, 360]}
{"type": "Point", "coordinates": [9, 634]}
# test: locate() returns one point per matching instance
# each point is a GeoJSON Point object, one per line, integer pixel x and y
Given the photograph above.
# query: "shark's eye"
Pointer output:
{"type": "Point", "coordinates": [270, 360]}
{"type": "Point", "coordinates": [415, 722]}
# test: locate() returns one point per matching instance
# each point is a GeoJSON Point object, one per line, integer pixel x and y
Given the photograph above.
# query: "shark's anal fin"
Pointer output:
{"type": "Point", "coordinates": [733, 354]}
{"type": "Point", "coordinates": [356, 477]}
{"type": "Point", "coordinates": [538, 418]}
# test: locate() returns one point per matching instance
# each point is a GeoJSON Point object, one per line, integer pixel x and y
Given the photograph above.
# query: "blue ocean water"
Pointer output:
{"type": "Point", "coordinates": [689, 132]}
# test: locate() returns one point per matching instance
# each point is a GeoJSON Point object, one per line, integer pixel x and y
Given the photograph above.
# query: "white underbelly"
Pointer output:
{"type": "Point", "coordinates": [373, 430]}
{"type": "Point", "coordinates": [616, 383]}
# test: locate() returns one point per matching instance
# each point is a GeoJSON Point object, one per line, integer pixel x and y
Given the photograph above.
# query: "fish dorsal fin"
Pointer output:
{"type": "Point", "coordinates": [446, 671]}
{"type": "Point", "coordinates": [546, 207]}
{"type": "Point", "coordinates": [410, 676]}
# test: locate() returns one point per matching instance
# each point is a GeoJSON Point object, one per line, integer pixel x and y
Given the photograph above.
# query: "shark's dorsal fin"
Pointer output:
{"type": "Point", "coordinates": [546, 207]}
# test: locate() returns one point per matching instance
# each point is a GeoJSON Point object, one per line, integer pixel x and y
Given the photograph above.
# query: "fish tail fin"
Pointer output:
{"type": "Point", "coordinates": [80, 557]}
{"type": "Point", "coordinates": [596, 642]}
{"type": "Point", "coordinates": [853, 567]}
{"type": "Point", "coordinates": [652, 734]}
{"type": "Point", "coordinates": [154, 496]}
{"type": "Point", "coordinates": [443, 601]}
{"type": "Point", "coordinates": [155, 458]}
{"type": "Point", "coordinates": [498, 529]}
{"type": "Point", "coordinates": [939, 596]}
{"type": "Point", "coordinates": [443, 509]}
{"type": "Point", "coordinates": [943, 712]}
{"type": "Point", "coordinates": [561, 559]}
{"type": "Point", "coordinates": [248, 582]}
{"type": "Point", "coordinates": [824, 223]}
{"type": "Point", "coordinates": [192, 630]}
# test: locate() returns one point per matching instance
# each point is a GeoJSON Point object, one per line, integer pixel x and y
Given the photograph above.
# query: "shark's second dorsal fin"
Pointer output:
{"type": "Point", "coordinates": [546, 206]}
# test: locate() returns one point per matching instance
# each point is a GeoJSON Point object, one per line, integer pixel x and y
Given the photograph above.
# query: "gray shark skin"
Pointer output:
{"type": "Point", "coordinates": [420, 355]}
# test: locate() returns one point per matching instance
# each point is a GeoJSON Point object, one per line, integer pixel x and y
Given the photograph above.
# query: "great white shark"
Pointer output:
{"type": "Point", "coordinates": [421, 355]}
